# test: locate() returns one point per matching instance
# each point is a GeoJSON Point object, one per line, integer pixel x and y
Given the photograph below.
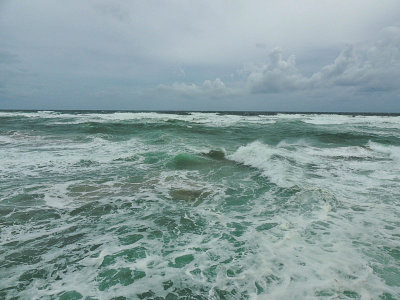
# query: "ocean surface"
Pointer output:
{"type": "Point", "coordinates": [145, 205]}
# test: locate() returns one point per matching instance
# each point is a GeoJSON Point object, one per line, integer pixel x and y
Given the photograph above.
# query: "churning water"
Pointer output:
{"type": "Point", "coordinates": [199, 206]}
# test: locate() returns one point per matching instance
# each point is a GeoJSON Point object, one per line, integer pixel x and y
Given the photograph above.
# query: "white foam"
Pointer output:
{"type": "Point", "coordinates": [206, 119]}
{"type": "Point", "coordinates": [373, 121]}
{"type": "Point", "coordinates": [273, 161]}
{"type": "Point", "coordinates": [339, 169]}
{"type": "Point", "coordinates": [325, 222]}
{"type": "Point", "coordinates": [389, 150]}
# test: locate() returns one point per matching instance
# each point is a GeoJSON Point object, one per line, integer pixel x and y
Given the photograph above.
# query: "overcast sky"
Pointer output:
{"type": "Point", "coordinates": [285, 55]}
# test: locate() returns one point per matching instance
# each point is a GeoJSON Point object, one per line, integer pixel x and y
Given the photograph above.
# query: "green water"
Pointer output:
{"type": "Point", "coordinates": [199, 206]}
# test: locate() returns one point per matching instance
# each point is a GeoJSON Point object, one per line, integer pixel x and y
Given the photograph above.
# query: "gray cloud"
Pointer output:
{"type": "Point", "coordinates": [208, 88]}
{"type": "Point", "coordinates": [114, 9]}
{"type": "Point", "coordinates": [130, 51]}
{"type": "Point", "coordinates": [277, 75]}
{"type": "Point", "coordinates": [361, 69]}
{"type": "Point", "coordinates": [364, 67]}
{"type": "Point", "coordinates": [376, 67]}
{"type": "Point", "coordinates": [8, 58]}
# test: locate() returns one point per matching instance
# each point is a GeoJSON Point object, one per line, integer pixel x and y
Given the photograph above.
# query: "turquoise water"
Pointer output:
{"type": "Point", "coordinates": [199, 206]}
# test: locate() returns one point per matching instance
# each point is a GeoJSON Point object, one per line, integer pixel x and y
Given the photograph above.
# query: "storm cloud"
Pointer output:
{"type": "Point", "coordinates": [329, 55]}
{"type": "Point", "coordinates": [373, 67]}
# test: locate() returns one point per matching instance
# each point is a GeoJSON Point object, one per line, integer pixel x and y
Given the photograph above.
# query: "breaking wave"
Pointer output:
{"type": "Point", "coordinates": [198, 206]}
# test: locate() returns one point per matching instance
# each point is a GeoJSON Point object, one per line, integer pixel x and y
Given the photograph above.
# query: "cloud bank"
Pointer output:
{"type": "Point", "coordinates": [208, 88]}
{"type": "Point", "coordinates": [365, 68]}
{"type": "Point", "coordinates": [361, 68]}
{"type": "Point", "coordinates": [149, 54]}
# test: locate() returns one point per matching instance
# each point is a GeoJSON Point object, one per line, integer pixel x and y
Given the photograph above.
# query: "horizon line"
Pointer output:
{"type": "Point", "coordinates": [209, 111]}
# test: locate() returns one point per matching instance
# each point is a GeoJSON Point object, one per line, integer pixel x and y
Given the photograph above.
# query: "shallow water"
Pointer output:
{"type": "Point", "coordinates": [199, 206]}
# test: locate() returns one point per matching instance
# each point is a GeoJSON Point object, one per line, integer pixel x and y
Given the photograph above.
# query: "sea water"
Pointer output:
{"type": "Point", "coordinates": [145, 205]}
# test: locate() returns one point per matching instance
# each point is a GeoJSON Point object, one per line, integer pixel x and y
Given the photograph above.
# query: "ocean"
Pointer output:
{"type": "Point", "coordinates": [147, 205]}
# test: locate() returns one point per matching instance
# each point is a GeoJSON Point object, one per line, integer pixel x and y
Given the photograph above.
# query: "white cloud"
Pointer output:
{"type": "Point", "coordinates": [376, 67]}
{"type": "Point", "coordinates": [373, 67]}
{"type": "Point", "coordinates": [277, 75]}
{"type": "Point", "coordinates": [208, 88]}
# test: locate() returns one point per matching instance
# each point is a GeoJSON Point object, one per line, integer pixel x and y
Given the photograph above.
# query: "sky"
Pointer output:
{"type": "Point", "coordinates": [266, 55]}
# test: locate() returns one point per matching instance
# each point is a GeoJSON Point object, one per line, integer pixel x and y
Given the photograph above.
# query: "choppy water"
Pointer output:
{"type": "Point", "coordinates": [199, 206]}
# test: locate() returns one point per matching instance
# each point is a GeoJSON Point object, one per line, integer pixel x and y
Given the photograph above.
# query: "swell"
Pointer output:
{"type": "Point", "coordinates": [288, 164]}
{"type": "Point", "coordinates": [218, 209]}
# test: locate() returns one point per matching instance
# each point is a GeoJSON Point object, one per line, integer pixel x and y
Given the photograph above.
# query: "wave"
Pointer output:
{"type": "Point", "coordinates": [206, 119]}
{"type": "Point", "coordinates": [171, 212]}
{"type": "Point", "coordinates": [276, 163]}
{"type": "Point", "coordinates": [373, 121]}
{"type": "Point", "coordinates": [389, 150]}
{"type": "Point", "coordinates": [300, 163]}
{"type": "Point", "coordinates": [186, 161]}
{"type": "Point", "coordinates": [215, 120]}
{"type": "Point", "coordinates": [216, 154]}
